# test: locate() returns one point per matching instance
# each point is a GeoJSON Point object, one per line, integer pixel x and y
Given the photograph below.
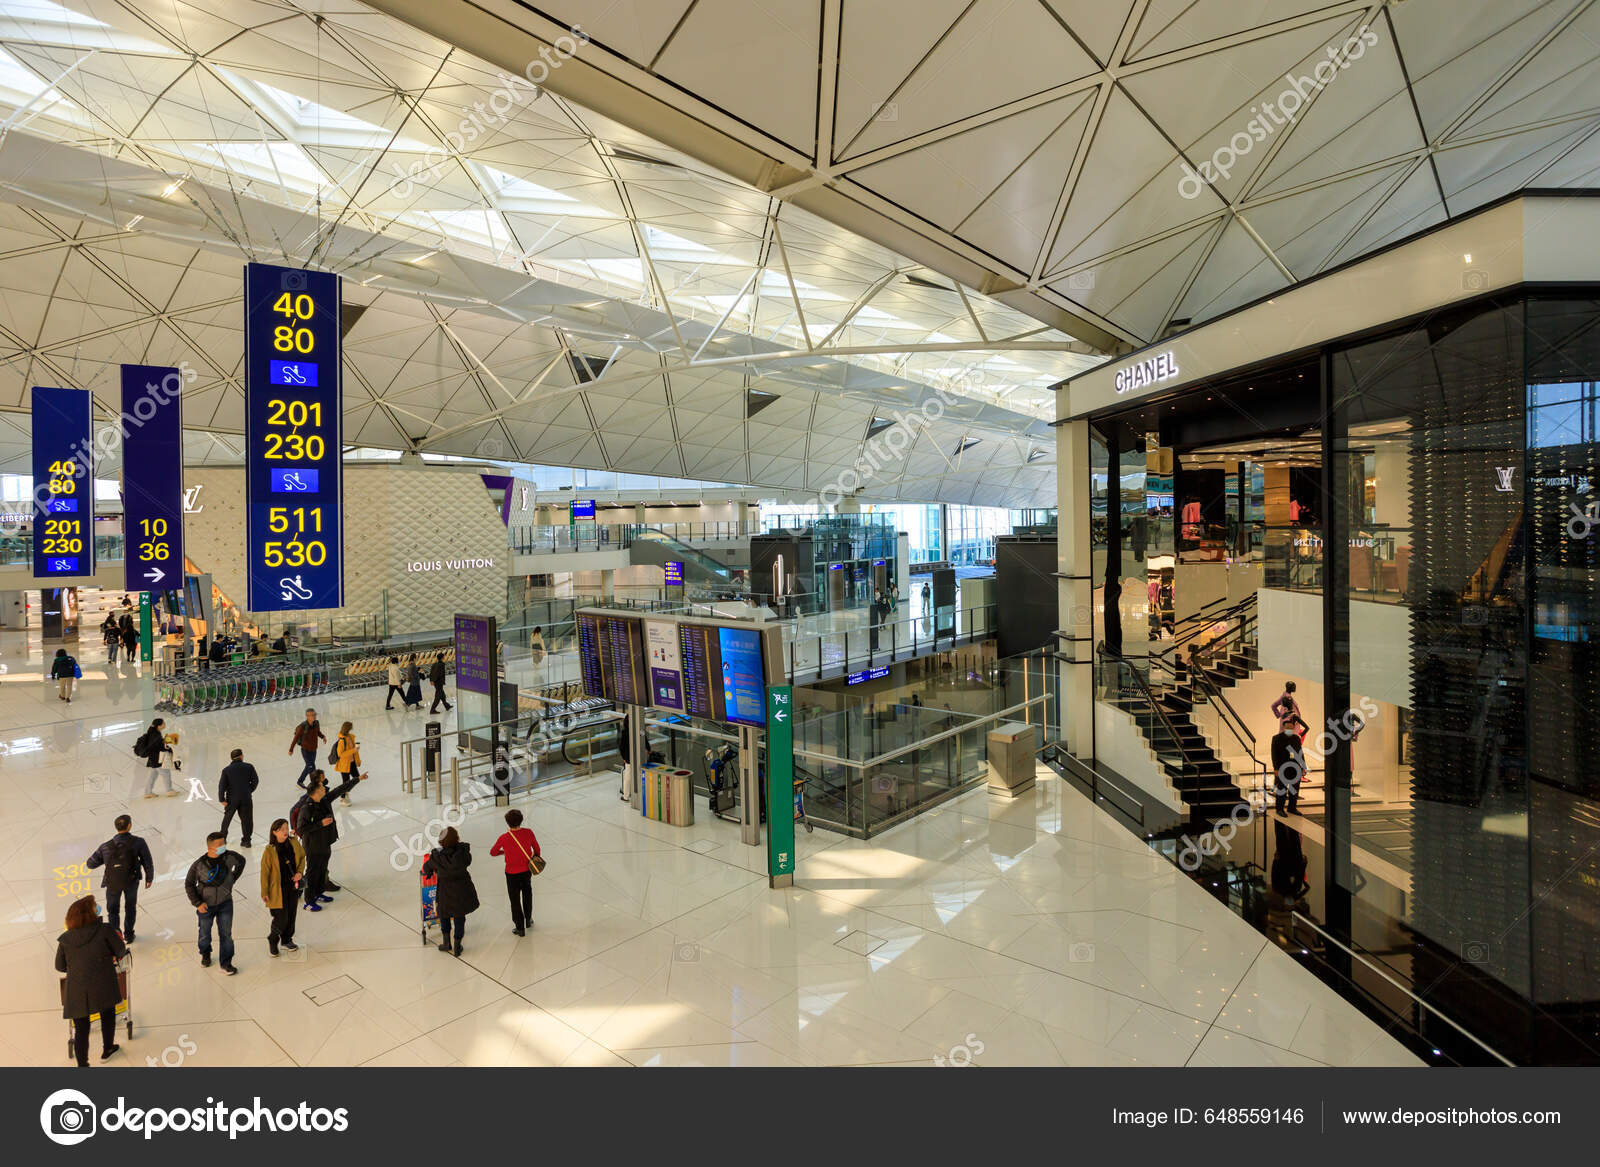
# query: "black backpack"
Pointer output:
{"type": "Point", "coordinates": [120, 860]}
{"type": "Point", "coordinates": [141, 748]}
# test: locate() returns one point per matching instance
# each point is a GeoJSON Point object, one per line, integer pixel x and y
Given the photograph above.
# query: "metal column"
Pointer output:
{"type": "Point", "coordinates": [749, 791]}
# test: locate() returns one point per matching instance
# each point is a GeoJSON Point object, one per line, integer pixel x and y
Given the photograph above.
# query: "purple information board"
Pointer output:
{"type": "Point", "coordinates": [475, 653]}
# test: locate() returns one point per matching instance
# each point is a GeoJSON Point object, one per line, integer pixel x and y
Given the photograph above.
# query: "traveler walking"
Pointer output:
{"type": "Point", "coordinates": [306, 736]}
{"type": "Point", "coordinates": [235, 791]}
{"type": "Point", "coordinates": [413, 697]}
{"type": "Point", "coordinates": [112, 635]}
{"type": "Point", "coordinates": [319, 831]}
{"type": "Point", "coordinates": [209, 886]}
{"type": "Point", "coordinates": [457, 897]}
{"type": "Point", "coordinates": [519, 849]}
{"type": "Point", "coordinates": [88, 952]}
{"type": "Point", "coordinates": [394, 684]}
{"type": "Point", "coordinates": [283, 868]}
{"type": "Point", "coordinates": [436, 674]}
{"type": "Point", "coordinates": [536, 649]}
{"type": "Point", "coordinates": [153, 747]}
{"type": "Point", "coordinates": [63, 671]}
{"type": "Point", "coordinates": [124, 856]}
{"type": "Point", "coordinates": [347, 757]}
{"type": "Point", "coordinates": [130, 638]}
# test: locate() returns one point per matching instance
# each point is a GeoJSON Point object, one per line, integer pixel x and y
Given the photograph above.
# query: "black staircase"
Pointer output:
{"type": "Point", "coordinates": [1161, 691]}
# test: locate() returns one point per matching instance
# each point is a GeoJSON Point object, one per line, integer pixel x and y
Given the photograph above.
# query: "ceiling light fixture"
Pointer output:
{"type": "Point", "coordinates": [174, 186]}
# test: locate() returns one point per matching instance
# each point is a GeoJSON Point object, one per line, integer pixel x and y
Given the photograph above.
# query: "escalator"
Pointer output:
{"type": "Point", "coordinates": [646, 545]}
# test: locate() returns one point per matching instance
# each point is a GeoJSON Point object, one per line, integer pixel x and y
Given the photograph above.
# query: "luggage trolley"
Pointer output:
{"type": "Point", "coordinates": [124, 1007]}
{"type": "Point", "coordinates": [430, 903]}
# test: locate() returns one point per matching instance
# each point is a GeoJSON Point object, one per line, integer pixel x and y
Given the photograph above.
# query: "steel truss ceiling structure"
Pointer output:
{"type": "Point", "coordinates": [1037, 149]}
{"type": "Point", "coordinates": [559, 289]}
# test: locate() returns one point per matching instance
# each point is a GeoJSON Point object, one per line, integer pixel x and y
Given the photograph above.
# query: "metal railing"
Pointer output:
{"type": "Point", "coordinates": [829, 655]}
{"type": "Point", "coordinates": [585, 536]}
{"type": "Point", "coordinates": [862, 798]}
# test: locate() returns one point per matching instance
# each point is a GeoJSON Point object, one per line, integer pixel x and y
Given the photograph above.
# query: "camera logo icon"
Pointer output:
{"type": "Point", "coordinates": [293, 281]}
{"type": "Point", "coordinates": [686, 953]}
{"type": "Point", "coordinates": [1475, 952]}
{"type": "Point", "coordinates": [1475, 279]}
{"type": "Point", "coordinates": [68, 1117]}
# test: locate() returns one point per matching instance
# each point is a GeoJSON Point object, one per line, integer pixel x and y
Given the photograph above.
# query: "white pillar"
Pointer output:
{"type": "Point", "coordinates": [1076, 587]}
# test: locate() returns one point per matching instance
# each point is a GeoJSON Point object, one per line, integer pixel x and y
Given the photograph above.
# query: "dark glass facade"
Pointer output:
{"type": "Point", "coordinates": [1491, 409]}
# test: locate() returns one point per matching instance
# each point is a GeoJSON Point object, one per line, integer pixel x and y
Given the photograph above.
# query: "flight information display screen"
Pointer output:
{"type": "Point", "coordinates": [611, 655]}
{"type": "Point", "coordinates": [724, 673]}
{"type": "Point", "coordinates": [293, 435]}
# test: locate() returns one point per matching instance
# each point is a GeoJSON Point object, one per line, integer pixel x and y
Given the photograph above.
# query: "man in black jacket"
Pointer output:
{"type": "Point", "coordinates": [124, 856]}
{"type": "Point", "coordinates": [238, 784]}
{"type": "Point", "coordinates": [319, 831]}
{"type": "Point", "coordinates": [209, 886]}
{"type": "Point", "coordinates": [436, 674]}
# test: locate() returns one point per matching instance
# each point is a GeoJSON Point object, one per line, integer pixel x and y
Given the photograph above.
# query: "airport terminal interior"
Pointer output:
{"type": "Point", "coordinates": [917, 533]}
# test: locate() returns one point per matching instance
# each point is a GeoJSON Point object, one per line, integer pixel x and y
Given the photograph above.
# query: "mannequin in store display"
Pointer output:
{"type": "Point", "coordinates": [1193, 517]}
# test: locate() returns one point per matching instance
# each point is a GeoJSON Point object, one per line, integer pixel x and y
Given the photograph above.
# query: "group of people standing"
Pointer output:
{"type": "Point", "coordinates": [293, 873]}
{"type": "Point", "coordinates": [120, 633]}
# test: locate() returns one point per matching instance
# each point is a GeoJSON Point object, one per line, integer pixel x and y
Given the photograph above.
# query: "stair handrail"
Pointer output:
{"type": "Point", "coordinates": [1236, 612]}
{"type": "Point", "coordinates": [1144, 686]}
{"type": "Point", "coordinates": [1214, 693]}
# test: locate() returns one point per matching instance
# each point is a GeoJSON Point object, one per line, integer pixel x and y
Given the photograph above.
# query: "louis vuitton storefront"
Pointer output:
{"type": "Point", "coordinates": [1381, 487]}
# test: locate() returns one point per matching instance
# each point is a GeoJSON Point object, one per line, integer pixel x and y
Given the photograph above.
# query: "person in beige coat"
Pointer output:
{"type": "Point", "coordinates": [283, 868]}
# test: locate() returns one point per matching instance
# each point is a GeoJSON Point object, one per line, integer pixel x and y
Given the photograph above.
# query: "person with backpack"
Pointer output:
{"type": "Point", "coordinates": [394, 684]}
{"type": "Point", "coordinates": [283, 869]}
{"type": "Point", "coordinates": [124, 856]}
{"type": "Point", "coordinates": [209, 886]}
{"type": "Point", "coordinates": [236, 792]}
{"type": "Point", "coordinates": [152, 746]}
{"type": "Point", "coordinates": [112, 635]}
{"type": "Point", "coordinates": [346, 757]}
{"type": "Point", "coordinates": [436, 675]}
{"type": "Point", "coordinates": [520, 848]}
{"type": "Point", "coordinates": [130, 638]}
{"type": "Point", "coordinates": [306, 736]}
{"type": "Point", "coordinates": [63, 671]}
{"type": "Point", "coordinates": [457, 897]}
{"type": "Point", "coordinates": [319, 831]}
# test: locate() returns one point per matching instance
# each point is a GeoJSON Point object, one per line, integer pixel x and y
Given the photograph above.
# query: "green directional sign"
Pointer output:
{"type": "Point", "coordinates": [780, 786]}
{"type": "Point", "coordinates": [146, 632]}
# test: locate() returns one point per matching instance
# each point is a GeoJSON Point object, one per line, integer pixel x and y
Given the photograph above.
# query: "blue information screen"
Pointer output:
{"type": "Point", "coordinates": [583, 510]}
{"type": "Point", "coordinates": [152, 477]}
{"type": "Point", "coordinates": [744, 681]}
{"type": "Point", "coordinates": [63, 482]}
{"type": "Point", "coordinates": [293, 431]}
{"type": "Point", "coordinates": [723, 674]}
{"type": "Point", "coordinates": [674, 573]}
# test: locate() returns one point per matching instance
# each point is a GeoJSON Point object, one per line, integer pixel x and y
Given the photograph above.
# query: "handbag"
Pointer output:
{"type": "Point", "coordinates": [536, 863]}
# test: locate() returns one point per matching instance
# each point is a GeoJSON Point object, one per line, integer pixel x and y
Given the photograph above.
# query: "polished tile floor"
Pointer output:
{"type": "Point", "coordinates": [1035, 932]}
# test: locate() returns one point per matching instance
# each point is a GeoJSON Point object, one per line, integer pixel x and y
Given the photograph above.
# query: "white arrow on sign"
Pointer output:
{"type": "Point", "coordinates": [780, 715]}
{"type": "Point", "coordinates": [155, 575]}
